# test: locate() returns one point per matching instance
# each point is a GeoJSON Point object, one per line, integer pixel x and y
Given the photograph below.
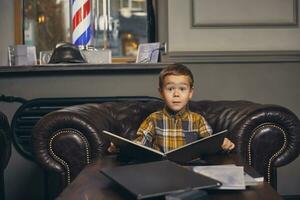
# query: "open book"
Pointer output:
{"type": "Point", "coordinates": [205, 146]}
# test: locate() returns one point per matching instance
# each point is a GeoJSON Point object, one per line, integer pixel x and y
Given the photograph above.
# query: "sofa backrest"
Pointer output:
{"type": "Point", "coordinates": [127, 116]}
{"type": "Point", "coordinates": [33, 110]}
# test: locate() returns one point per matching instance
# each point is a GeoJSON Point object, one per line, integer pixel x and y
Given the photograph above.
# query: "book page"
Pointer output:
{"type": "Point", "coordinates": [121, 141]}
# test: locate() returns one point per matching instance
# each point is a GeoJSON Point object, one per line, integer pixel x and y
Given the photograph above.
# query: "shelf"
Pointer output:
{"type": "Point", "coordinates": [81, 68]}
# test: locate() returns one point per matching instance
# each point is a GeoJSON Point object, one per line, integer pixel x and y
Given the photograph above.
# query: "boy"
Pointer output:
{"type": "Point", "coordinates": [174, 125]}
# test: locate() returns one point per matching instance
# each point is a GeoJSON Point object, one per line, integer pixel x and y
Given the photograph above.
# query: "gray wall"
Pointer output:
{"type": "Point", "coordinates": [256, 25]}
{"type": "Point", "coordinates": [7, 29]}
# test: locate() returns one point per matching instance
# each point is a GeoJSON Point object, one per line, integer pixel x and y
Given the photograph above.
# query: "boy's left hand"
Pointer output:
{"type": "Point", "coordinates": [227, 145]}
{"type": "Point", "coordinates": [112, 148]}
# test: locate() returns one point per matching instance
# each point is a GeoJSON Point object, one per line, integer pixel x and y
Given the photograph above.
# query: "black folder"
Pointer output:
{"type": "Point", "coordinates": [158, 178]}
{"type": "Point", "coordinates": [194, 150]}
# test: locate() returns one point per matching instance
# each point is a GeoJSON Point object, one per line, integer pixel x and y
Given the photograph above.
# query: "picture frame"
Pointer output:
{"type": "Point", "coordinates": [148, 53]}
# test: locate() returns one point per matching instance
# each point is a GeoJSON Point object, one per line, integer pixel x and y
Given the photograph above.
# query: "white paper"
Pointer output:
{"type": "Point", "coordinates": [231, 176]}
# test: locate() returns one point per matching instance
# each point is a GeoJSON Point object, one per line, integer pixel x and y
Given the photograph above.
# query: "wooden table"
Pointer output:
{"type": "Point", "coordinates": [92, 185]}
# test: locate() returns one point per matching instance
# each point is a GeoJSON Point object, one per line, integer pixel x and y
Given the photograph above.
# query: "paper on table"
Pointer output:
{"type": "Point", "coordinates": [249, 180]}
{"type": "Point", "coordinates": [231, 176]}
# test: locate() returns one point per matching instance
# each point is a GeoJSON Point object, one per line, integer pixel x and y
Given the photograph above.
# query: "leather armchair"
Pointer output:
{"type": "Point", "coordinates": [65, 141]}
{"type": "Point", "coordinates": [5, 150]}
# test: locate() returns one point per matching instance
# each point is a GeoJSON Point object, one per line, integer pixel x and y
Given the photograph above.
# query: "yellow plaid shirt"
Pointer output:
{"type": "Point", "coordinates": [164, 130]}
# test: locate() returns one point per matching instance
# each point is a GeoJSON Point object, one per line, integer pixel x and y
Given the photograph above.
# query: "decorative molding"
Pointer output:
{"type": "Point", "coordinates": [288, 23]}
{"type": "Point", "coordinates": [234, 56]}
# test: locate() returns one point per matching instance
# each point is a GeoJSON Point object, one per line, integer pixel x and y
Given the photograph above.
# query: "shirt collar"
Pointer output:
{"type": "Point", "coordinates": [181, 113]}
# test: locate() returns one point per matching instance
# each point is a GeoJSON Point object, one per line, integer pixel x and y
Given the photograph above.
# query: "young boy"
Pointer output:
{"type": "Point", "coordinates": [175, 125]}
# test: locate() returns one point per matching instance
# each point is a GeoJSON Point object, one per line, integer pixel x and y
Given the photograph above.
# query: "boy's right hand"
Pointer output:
{"type": "Point", "coordinates": [227, 145]}
{"type": "Point", "coordinates": [112, 148]}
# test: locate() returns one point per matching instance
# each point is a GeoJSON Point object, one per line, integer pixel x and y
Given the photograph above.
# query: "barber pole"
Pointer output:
{"type": "Point", "coordinates": [81, 22]}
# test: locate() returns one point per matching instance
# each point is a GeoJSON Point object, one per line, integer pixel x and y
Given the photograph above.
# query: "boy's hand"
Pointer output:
{"type": "Point", "coordinates": [112, 148]}
{"type": "Point", "coordinates": [227, 145]}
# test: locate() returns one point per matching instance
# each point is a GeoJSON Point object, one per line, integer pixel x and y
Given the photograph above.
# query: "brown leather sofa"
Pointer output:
{"type": "Point", "coordinates": [65, 141]}
{"type": "Point", "coordinates": [5, 150]}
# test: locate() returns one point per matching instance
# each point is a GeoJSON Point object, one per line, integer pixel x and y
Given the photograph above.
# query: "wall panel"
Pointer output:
{"type": "Point", "coordinates": [271, 26]}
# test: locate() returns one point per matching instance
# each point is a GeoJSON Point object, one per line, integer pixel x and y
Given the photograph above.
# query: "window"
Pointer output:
{"type": "Point", "coordinates": [128, 23]}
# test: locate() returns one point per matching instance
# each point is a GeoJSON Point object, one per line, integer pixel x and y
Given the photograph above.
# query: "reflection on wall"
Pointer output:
{"type": "Point", "coordinates": [45, 23]}
{"type": "Point", "coordinates": [123, 22]}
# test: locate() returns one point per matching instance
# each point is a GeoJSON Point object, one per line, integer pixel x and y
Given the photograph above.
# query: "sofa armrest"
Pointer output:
{"type": "Point", "coordinates": [65, 141]}
{"type": "Point", "coordinates": [5, 150]}
{"type": "Point", "coordinates": [5, 146]}
{"type": "Point", "coordinates": [267, 138]}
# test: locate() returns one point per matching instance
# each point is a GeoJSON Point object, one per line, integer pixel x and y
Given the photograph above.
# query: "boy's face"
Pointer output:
{"type": "Point", "coordinates": [176, 91]}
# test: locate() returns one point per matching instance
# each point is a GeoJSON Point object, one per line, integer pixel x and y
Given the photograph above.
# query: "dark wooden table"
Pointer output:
{"type": "Point", "coordinates": [90, 184]}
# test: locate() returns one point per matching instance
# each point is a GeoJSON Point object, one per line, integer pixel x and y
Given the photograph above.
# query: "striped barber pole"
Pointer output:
{"type": "Point", "coordinates": [81, 22]}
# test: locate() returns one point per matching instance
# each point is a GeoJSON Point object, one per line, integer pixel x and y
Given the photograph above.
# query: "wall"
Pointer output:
{"type": "Point", "coordinates": [211, 25]}
{"type": "Point", "coordinates": [7, 29]}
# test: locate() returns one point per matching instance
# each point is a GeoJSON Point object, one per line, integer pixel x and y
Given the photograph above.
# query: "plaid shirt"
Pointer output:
{"type": "Point", "coordinates": [164, 130]}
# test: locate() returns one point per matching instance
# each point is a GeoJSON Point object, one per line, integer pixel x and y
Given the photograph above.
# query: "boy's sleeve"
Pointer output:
{"type": "Point", "coordinates": [204, 128]}
{"type": "Point", "coordinates": [145, 133]}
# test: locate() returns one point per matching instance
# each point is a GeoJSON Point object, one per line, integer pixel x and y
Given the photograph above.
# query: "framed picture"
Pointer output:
{"type": "Point", "coordinates": [148, 53]}
{"type": "Point", "coordinates": [45, 57]}
{"type": "Point", "coordinates": [19, 55]}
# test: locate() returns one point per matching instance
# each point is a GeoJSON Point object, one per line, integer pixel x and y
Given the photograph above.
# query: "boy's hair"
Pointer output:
{"type": "Point", "coordinates": [175, 69]}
